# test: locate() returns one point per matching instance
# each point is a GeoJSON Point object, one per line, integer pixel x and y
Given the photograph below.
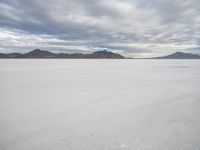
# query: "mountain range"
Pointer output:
{"type": "Point", "coordinates": [37, 53]}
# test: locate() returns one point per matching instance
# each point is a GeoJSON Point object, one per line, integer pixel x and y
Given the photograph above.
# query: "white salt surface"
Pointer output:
{"type": "Point", "coordinates": [99, 104]}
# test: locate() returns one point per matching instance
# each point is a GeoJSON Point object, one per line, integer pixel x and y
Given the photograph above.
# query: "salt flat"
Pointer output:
{"type": "Point", "coordinates": [99, 104]}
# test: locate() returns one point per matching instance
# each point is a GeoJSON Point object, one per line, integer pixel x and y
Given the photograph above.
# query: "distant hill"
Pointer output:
{"type": "Point", "coordinates": [180, 55]}
{"type": "Point", "coordinates": [37, 53]}
{"type": "Point", "coordinates": [104, 54]}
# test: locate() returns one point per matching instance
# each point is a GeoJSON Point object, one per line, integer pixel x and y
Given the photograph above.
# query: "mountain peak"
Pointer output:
{"type": "Point", "coordinates": [105, 54]}
{"type": "Point", "coordinates": [37, 50]}
{"type": "Point", "coordinates": [178, 52]}
{"type": "Point", "coordinates": [37, 53]}
{"type": "Point", "coordinates": [181, 55]}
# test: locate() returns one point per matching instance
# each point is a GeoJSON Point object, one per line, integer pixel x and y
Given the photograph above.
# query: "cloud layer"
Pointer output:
{"type": "Point", "coordinates": [138, 28]}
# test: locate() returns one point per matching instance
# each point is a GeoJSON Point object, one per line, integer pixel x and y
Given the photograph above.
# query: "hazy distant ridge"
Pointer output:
{"type": "Point", "coordinates": [180, 55]}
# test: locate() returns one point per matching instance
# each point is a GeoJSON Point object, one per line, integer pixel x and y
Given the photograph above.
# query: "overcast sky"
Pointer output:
{"type": "Point", "coordinates": [136, 28]}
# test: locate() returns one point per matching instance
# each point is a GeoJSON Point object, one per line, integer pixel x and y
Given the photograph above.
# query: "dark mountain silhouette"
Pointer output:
{"type": "Point", "coordinates": [104, 54]}
{"type": "Point", "coordinates": [180, 55]}
{"type": "Point", "coordinates": [37, 53]}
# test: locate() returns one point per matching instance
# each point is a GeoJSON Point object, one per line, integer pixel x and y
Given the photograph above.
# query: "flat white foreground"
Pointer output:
{"type": "Point", "coordinates": [99, 104]}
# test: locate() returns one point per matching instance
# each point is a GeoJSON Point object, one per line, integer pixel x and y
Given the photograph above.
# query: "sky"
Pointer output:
{"type": "Point", "coordinates": [133, 28]}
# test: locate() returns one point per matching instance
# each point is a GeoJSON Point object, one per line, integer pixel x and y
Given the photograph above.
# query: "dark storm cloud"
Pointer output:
{"type": "Point", "coordinates": [129, 26]}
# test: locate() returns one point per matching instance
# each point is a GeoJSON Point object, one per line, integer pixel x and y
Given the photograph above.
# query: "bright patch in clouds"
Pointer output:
{"type": "Point", "coordinates": [135, 28]}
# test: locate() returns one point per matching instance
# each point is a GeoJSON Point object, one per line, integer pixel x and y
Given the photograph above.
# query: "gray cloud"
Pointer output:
{"type": "Point", "coordinates": [131, 27]}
